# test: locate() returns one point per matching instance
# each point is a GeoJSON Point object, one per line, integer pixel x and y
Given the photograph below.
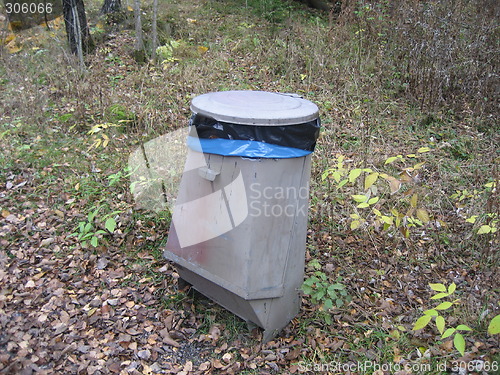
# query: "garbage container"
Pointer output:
{"type": "Point", "coordinates": [239, 223]}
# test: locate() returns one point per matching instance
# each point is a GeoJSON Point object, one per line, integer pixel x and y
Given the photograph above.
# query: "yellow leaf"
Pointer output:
{"type": "Point", "coordinates": [9, 38]}
{"type": "Point", "coordinates": [484, 229]}
{"type": "Point", "coordinates": [438, 287]}
{"type": "Point", "coordinates": [459, 343]}
{"type": "Point", "coordinates": [337, 176]}
{"type": "Point", "coordinates": [413, 200]}
{"type": "Point", "coordinates": [370, 180]}
{"type": "Point", "coordinates": [354, 174]}
{"type": "Point", "coordinates": [359, 198]}
{"type": "Point", "coordinates": [422, 322]}
{"type": "Point", "coordinates": [39, 275]}
{"type": "Point", "coordinates": [202, 49]}
{"type": "Point", "coordinates": [440, 323]}
{"type": "Point", "coordinates": [494, 326]}
{"type": "Point", "coordinates": [392, 159]}
{"type": "Point", "coordinates": [423, 215]}
{"type": "Point", "coordinates": [395, 334]}
{"type": "Point", "coordinates": [355, 224]}
{"type": "Point", "coordinates": [130, 9]}
{"type": "Point", "coordinates": [12, 47]}
{"type": "Point", "coordinates": [419, 165]}
{"type": "Point", "coordinates": [77, 186]}
{"type": "Point", "coordinates": [57, 22]}
{"type": "Point", "coordinates": [421, 150]}
{"type": "Point", "coordinates": [385, 176]}
{"type": "Point", "coordinates": [91, 311]}
{"type": "Point", "coordinates": [387, 220]}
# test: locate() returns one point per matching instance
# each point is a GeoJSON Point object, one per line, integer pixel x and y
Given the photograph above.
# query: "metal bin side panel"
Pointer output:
{"type": "Point", "coordinates": [257, 209]}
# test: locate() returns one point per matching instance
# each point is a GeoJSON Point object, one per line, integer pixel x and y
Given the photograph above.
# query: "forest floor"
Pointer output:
{"type": "Point", "coordinates": [82, 294]}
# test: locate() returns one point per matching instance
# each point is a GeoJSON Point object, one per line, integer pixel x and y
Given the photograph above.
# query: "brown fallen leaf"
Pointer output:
{"type": "Point", "coordinates": [42, 318]}
{"type": "Point", "coordinates": [30, 284]}
{"type": "Point", "coordinates": [47, 242]}
{"type": "Point", "coordinates": [165, 335]}
{"type": "Point", "coordinates": [113, 301]}
{"type": "Point", "coordinates": [204, 366]}
{"type": "Point", "coordinates": [114, 367]}
{"type": "Point", "coordinates": [188, 366]}
{"type": "Point", "coordinates": [102, 263]}
{"type": "Point", "coordinates": [292, 354]}
{"type": "Point", "coordinates": [132, 331]}
{"type": "Point", "coordinates": [214, 334]}
{"type": "Point", "coordinates": [59, 328]}
{"type": "Point", "coordinates": [217, 363]}
{"type": "Point", "coordinates": [144, 354]}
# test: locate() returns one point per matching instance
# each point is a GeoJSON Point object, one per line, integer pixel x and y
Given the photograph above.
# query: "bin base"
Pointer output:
{"type": "Point", "coordinates": [271, 314]}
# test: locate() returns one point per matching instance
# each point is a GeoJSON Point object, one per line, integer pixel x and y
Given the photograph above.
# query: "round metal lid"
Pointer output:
{"type": "Point", "coordinates": [255, 108]}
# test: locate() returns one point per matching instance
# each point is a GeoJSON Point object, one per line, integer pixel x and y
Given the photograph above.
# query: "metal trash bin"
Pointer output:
{"type": "Point", "coordinates": [239, 223]}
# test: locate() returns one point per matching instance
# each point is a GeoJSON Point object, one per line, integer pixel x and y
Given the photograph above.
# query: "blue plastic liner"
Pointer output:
{"type": "Point", "coordinates": [302, 136]}
{"type": "Point", "coordinates": [244, 148]}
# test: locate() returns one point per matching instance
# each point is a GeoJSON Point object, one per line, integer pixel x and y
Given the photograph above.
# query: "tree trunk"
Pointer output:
{"type": "Point", "coordinates": [154, 31]}
{"type": "Point", "coordinates": [139, 53]}
{"type": "Point", "coordinates": [77, 29]}
{"type": "Point", "coordinates": [110, 6]}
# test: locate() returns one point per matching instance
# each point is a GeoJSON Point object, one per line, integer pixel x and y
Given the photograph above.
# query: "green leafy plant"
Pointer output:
{"type": "Point", "coordinates": [88, 231]}
{"type": "Point", "coordinates": [377, 205]}
{"type": "Point", "coordinates": [492, 223]}
{"type": "Point", "coordinates": [323, 292]}
{"type": "Point", "coordinates": [119, 113]}
{"type": "Point", "coordinates": [165, 53]}
{"type": "Point", "coordinates": [440, 321]}
{"type": "Point", "coordinates": [115, 178]}
{"type": "Point", "coordinates": [466, 200]}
